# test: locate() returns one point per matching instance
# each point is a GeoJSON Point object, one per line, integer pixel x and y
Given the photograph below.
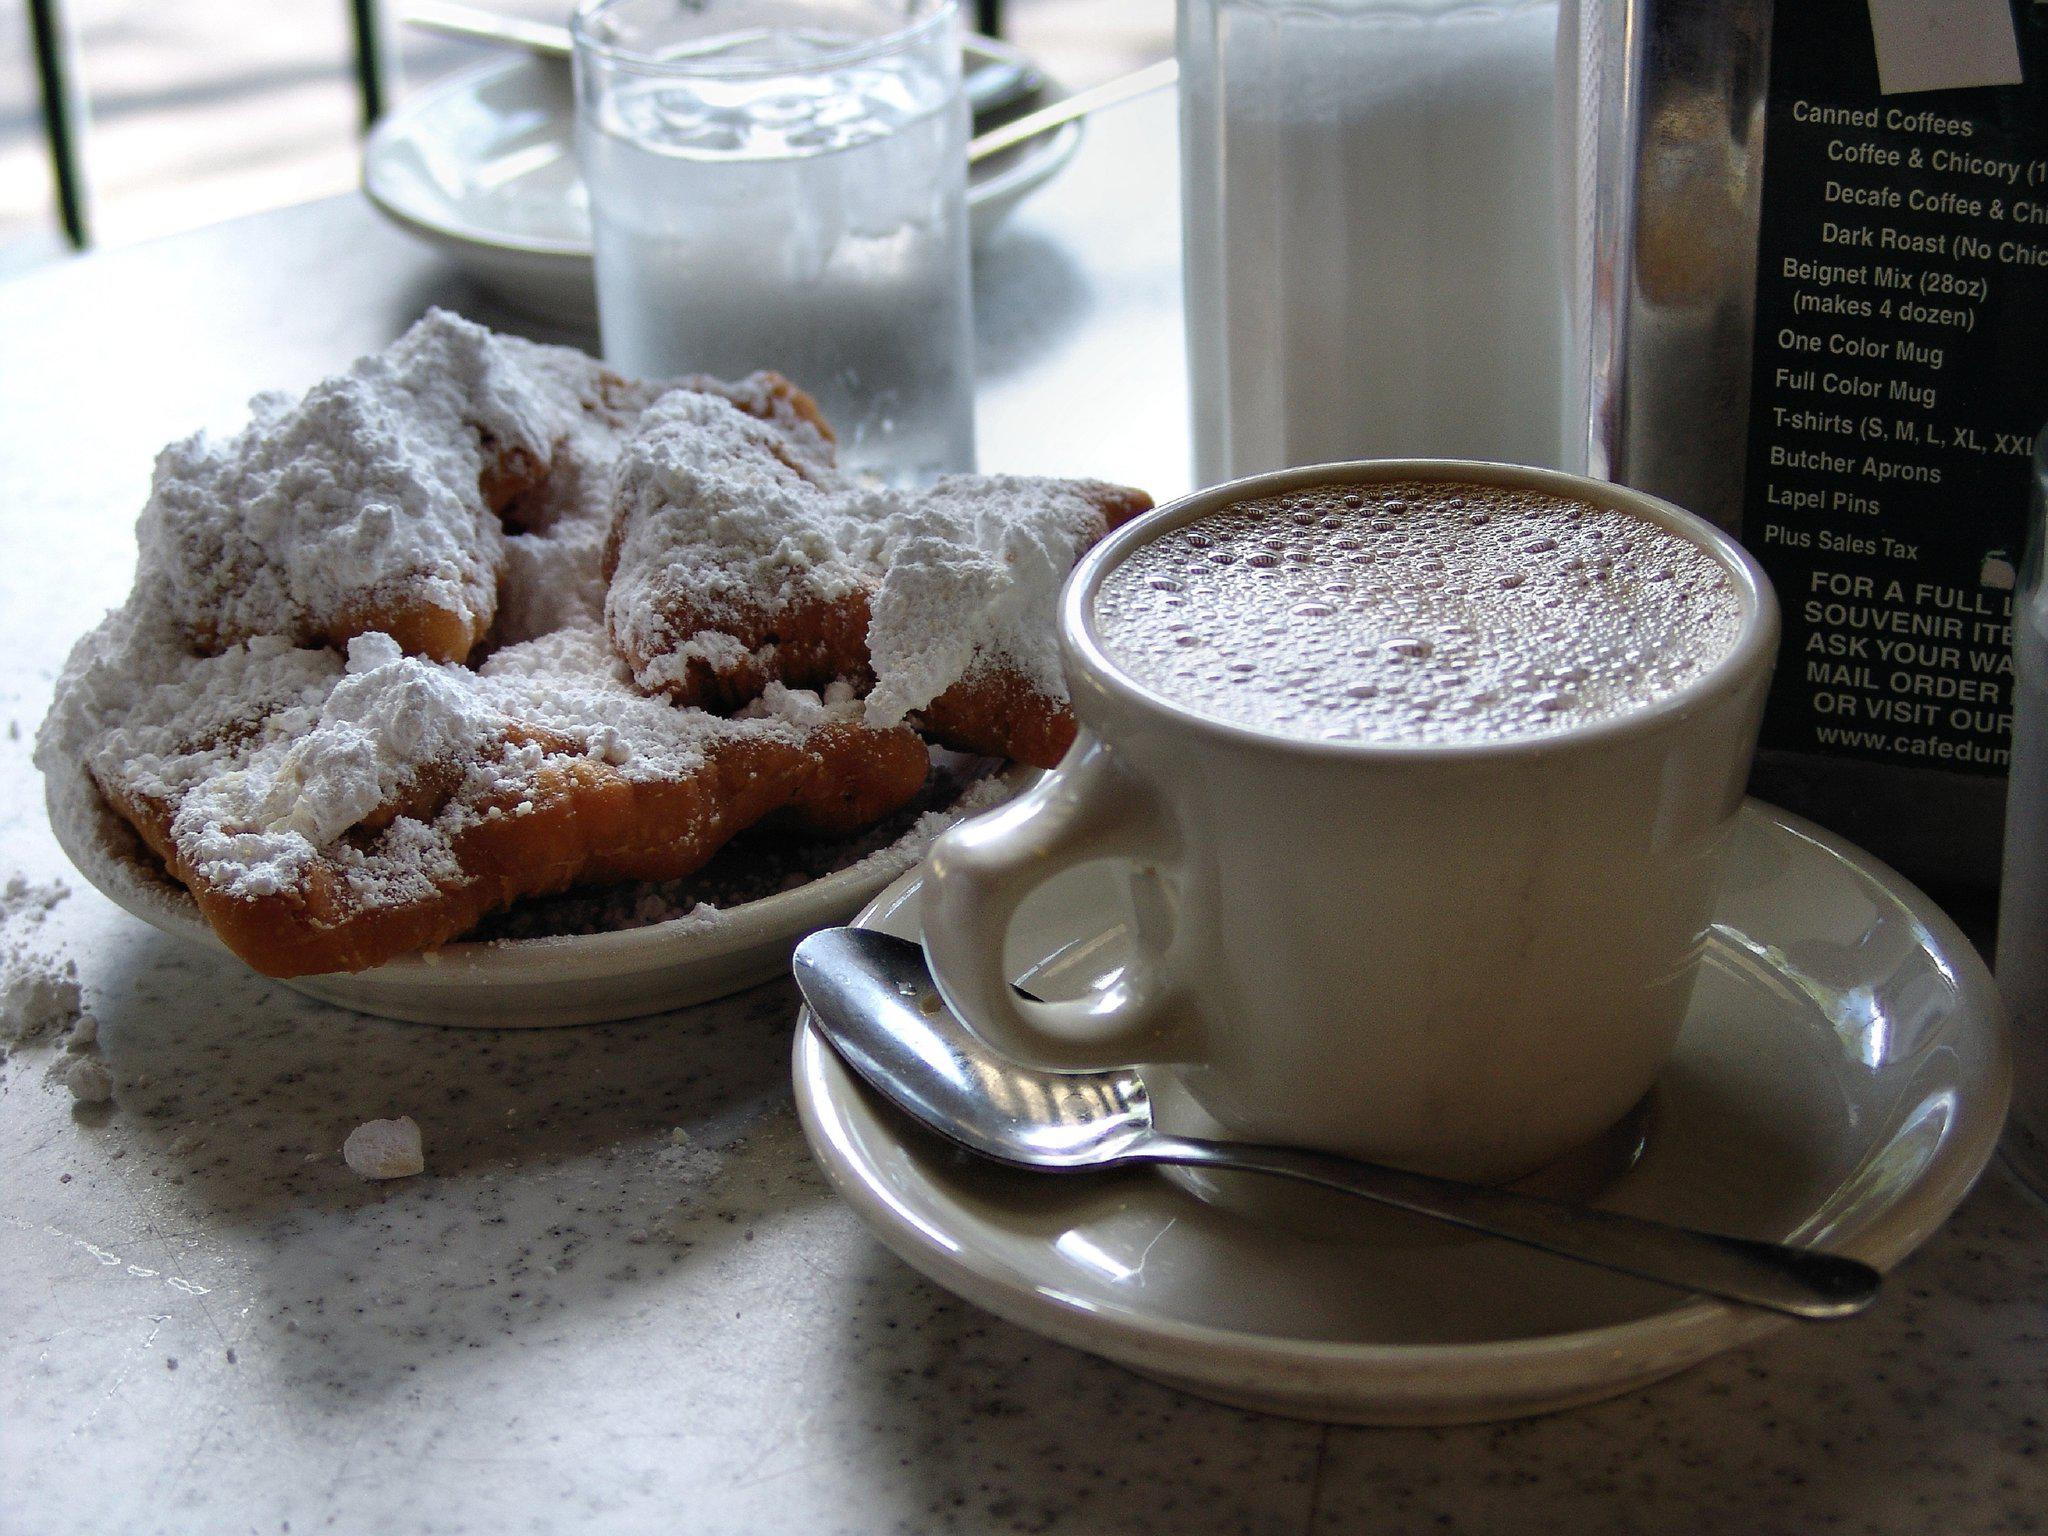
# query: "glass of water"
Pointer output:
{"type": "Point", "coordinates": [782, 184]}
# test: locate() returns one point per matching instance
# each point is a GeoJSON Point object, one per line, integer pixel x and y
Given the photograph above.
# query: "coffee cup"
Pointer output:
{"type": "Point", "coordinates": [1446, 917]}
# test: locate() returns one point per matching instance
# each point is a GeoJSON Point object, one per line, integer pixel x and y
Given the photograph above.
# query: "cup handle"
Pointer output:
{"type": "Point", "coordinates": [1090, 807]}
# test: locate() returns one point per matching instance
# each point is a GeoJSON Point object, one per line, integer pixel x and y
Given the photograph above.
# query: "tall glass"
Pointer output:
{"type": "Point", "coordinates": [1374, 231]}
{"type": "Point", "coordinates": [2023, 904]}
{"type": "Point", "coordinates": [782, 184]}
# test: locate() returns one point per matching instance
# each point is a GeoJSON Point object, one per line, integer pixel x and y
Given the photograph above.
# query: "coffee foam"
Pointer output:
{"type": "Point", "coordinates": [1417, 612]}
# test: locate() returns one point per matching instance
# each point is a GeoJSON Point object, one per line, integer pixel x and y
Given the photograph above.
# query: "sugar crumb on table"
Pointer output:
{"type": "Point", "coordinates": [385, 1149]}
{"type": "Point", "coordinates": [89, 1082]}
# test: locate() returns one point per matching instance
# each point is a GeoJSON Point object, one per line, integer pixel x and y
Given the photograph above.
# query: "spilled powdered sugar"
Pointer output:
{"type": "Point", "coordinates": [39, 989]}
{"type": "Point", "coordinates": [89, 1082]}
{"type": "Point", "coordinates": [25, 905]}
{"type": "Point", "coordinates": [741, 520]}
{"type": "Point", "coordinates": [38, 993]}
{"type": "Point", "coordinates": [385, 1149]}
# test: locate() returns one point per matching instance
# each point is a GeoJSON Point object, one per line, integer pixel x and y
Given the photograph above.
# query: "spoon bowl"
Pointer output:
{"type": "Point", "coordinates": [901, 1038]}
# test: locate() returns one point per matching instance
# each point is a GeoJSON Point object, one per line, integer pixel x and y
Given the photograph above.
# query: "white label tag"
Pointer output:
{"type": "Point", "coordinates": [1943, 45]}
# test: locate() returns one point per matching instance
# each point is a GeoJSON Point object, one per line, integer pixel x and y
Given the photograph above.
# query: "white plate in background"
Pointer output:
{"type": "Point", "coordinates": [483, 166]}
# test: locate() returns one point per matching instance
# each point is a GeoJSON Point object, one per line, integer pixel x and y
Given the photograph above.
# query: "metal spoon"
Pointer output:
{"type": "Point", "coordinates": [874, 1000]}
{"type": "Point", "coordinates": [1139, 82]}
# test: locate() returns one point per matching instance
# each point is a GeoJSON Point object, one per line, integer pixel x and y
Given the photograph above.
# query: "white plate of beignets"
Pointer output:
{"type": "Point", "coordinates": [370, 689]}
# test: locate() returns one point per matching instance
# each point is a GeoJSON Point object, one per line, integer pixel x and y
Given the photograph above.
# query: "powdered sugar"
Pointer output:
{"type": "Point", "coordinates": [726, 516]}
{"type": "Point", "coordinates": [89, 1082]}
{"type": "Point", "coordinates": [799, 706]}
{"type": "Point", "coordinates": [269, 754]}
{"type": "Point", "coordinates": [197, 734]}
{"type": "Point", "coordinates": [971, 575]}
{"type": "Point", "coordinates": [24, 903]}
{"type": "Point", "coordinates": [38, 993]}
{"type": "Point", "coordinates": [304, 525]}
{"type": "Point", "coordinates": [569, 683]}
{"type": "Point", "coordinates": [553, 568]}
{"type": "Point", "coordinates": [39, 989]}
{"type": "Point", "coordinates": [728, 521]}
{"type": "Point", "coordinates": [385, 1149]}
{"type": "Point", "coordinates": [323, 511]}
{"type": "Point", "coordinates": [389, 716]}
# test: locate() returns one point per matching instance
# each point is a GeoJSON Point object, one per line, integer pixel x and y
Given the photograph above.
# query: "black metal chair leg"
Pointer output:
{"type": "Point", "coordinates": [61, 117]}
{"type": "Point", "coordinates": [988, 17]}
{"type": "Point", "coordinates": [367, 23]}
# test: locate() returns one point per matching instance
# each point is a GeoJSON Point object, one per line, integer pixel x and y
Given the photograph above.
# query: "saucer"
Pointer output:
{"type": "Point", "coordinates": [483, 166]}
{"type": "Point", "coordinates": [1840, 1081]}
{"type": "Point", "coordinates": [513, 983]}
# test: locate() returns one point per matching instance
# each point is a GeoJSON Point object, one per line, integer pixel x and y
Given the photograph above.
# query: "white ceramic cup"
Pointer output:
{"type": "Point", "coordinates": [1465, 959]}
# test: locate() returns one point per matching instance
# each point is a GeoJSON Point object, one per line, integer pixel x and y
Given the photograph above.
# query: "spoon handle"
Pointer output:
{"type": "Point", "coordinates": [1803, 1282]}
{"type": "Point", "coordinates": [473, 24]}
{"type": "Point", "coordinates": [1140, 82]}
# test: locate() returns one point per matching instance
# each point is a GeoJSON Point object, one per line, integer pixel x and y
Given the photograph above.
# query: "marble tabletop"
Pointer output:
{"type": "Point", "coordinates": [621, 1298]}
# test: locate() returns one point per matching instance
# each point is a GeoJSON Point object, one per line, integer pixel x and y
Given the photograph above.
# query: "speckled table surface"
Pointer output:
{"type": "Point", "coordinates": [577, 1321]}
